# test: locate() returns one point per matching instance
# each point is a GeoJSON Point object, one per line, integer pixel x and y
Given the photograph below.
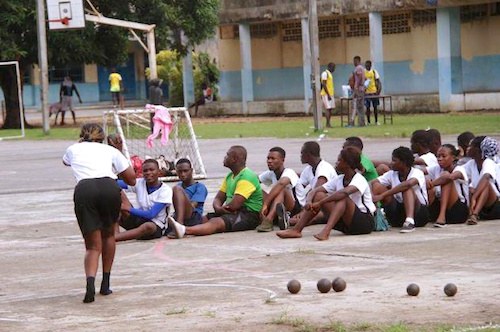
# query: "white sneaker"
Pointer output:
{"type": "Point", "coordinates": [179, 229]}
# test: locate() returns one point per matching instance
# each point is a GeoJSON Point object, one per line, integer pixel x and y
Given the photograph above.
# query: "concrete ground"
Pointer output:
{"type": "Point", "coordinates": [229, 282]}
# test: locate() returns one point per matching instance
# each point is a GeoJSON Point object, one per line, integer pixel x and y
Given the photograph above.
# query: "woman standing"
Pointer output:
{"type": "Point", "coordinates": [97, 200]}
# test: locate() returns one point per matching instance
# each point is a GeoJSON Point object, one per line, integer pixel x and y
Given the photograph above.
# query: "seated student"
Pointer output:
{"type": "Point", "coordinates": [484, 175]}
{"type": "Point", "coordinates": [238, 203]}
{"type": "Point", "coordinates": [281, 198]}
{"type": "Point", "coordinates": [148, 221]}
{"type": "Point", "coordinates": [405, 203]}
{"type": "Point", "coordinates": [315, 174]}
{"type": "Point", "coordinates": [368, 171]}
{"type": "Point", "coordinates": [434, 140]}
{"type": "Point", "coordinates": [420, 143]}
{"type": "Point", "coordinates": [449, 189]}
{"type": "Point", "coordinates": [463, 141]}
{"type": "Point", "coordinates": [346, 200]}
{"type": "Point", "coordinates": [189, 195]}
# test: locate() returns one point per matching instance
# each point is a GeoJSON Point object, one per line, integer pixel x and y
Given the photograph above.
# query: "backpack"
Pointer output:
{"type": "Point", "coordinates": [381, 224]}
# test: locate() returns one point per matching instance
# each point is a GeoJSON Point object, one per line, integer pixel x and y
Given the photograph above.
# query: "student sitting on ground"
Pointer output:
{"type": "Point", "coordinates": [449, 189]}
{"type": "Point", "coordinates": [148, 221]}
{"type": "Point", "coordinates": [315, 174]}
{"type": "Point", "coordinates": [346, 200]}
{"type": "Point", "coordinates": [434, 140]}
{"type": "Point", "coordinates": [189, 195]}
{"type": "Point", "coordinates": [463, 141]}
{"type": "Point", "coordinates": [238, 203]}
{"type": "Point", "coordinates": [484, 175]}
{"type": "Point", "coordinates": [368, 171]}
{"type": "Point", "coordinates": [281, 198]}
{"type": "Point", "coordinates": [405, 203]}
{"type": "Point", "coordinates": [420, 143]}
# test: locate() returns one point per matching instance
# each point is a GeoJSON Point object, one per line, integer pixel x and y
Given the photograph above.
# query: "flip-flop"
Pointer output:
{"type": "Point", "coordinates": [472, 220]}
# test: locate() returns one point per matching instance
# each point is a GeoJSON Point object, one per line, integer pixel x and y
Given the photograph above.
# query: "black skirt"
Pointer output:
{"type": "Point", "coordinates": [97, 204]}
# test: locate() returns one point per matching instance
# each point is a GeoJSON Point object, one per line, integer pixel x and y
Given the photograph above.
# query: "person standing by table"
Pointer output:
{"type": "Point", "coordinates": [359, 91]}
{"type": "Point", "coordinates": [373, 88]}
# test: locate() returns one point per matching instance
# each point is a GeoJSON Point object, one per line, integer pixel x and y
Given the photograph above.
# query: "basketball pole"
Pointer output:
{"type": "Point", "coordinates": [43, 65]}
{"type": "Point", "coordinates": [315, 65]}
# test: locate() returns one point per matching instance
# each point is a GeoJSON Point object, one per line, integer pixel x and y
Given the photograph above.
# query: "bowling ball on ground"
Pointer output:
{"type": "Point", "coordinates": [324, 285]}
{"type": "Point", "coordinates": [413, 289]}
{"type": "Point", "coordinates": [450, 289]}
{"type": "Point", "coordinates": [339, 284]}
{"type": "Point", "coordinates": [293, 286]}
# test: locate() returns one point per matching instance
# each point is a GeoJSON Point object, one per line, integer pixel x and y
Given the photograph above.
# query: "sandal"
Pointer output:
{"type": "Point", "coordinates": [472, 220]}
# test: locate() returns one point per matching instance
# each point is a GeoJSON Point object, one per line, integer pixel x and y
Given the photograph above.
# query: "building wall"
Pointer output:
{"type": "Point", "coordinates": [410, 66]}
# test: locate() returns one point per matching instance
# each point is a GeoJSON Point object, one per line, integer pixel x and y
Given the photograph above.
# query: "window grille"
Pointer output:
{"type": "Point", "coordinates": [473, 13]}
{"type": "Point", "coordinates": [263, 30]}
{"type": "Point", "coordinates": [329, 28]}
{"type": "Point", "coordinates": [229, 32]}
{"type": "Point", "coordinates": [57, 74]}
{"type": "Point", "coordinates": [495, 9]}
{"type": "Point", "coordinates": [423, 17]}
{"type": "Point", "coordinates": [357, 27]}
{"type": "Point", "coordinates": [291, 31]}
{"type": "Point", "coordinates": [396, 23]}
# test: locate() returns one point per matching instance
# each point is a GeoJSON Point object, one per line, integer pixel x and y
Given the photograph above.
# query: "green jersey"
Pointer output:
{"type": "Point", "coordinates": [246, 183]}
{"type": "Point", "coordinates": [370, 171]}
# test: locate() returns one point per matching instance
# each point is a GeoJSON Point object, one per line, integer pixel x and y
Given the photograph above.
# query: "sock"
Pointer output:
{"type": "Point", "coordinates": [89, 295]}
{"type": "Point", "coordinates": [410, 220]}
{"type": "Point", "coordinates": [105, 284]}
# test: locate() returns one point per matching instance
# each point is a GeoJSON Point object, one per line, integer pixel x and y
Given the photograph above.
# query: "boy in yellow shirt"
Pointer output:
{"type": "Point", "coordinates": [116, 86]}
{"type": "Point", "coordinates": [327, 92]}
{"type": "Point", "coordinates": [373, 88]}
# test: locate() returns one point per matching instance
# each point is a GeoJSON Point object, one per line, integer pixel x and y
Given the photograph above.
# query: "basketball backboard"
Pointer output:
{"type": "Point", "coordinates": [65, 14]}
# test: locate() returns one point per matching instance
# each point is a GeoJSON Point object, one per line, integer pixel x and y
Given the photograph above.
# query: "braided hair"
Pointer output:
{"type": "Point", "coordinates": [92, 132]}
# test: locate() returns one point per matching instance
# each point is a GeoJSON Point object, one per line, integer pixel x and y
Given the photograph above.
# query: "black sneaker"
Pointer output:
{"type": "Point", "coordinates": [407, 227]}
{"type": "Point", "coordinates": [282, 215]}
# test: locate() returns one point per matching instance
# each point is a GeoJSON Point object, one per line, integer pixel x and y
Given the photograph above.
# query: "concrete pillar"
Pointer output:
{"type": "Point", "coordinates": [449, 57]}
{"type": "Point", "coordinates": [306, 63]}
{"type": "Point", "coordinates": [376, 44]}
{"type": "Point", "coordinates": [246, 66]}
{"type": "Point", "coordinates": [187, 78]}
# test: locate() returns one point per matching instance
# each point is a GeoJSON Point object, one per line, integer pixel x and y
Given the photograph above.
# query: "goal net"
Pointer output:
{"type": "Point", "coordinates": [10, 69]}
{"type": "Point", "coordinates": [134, 127]}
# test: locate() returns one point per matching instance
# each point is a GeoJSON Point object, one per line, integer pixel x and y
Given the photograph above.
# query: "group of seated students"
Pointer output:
{"type": "Point", "coordinates": [430, 182]}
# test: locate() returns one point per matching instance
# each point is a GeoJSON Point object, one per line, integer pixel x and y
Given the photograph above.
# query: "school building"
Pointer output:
{"type": "Point", "coordinates": [91, 80]}
{"type": "Point", "coordinates": [432, 55]}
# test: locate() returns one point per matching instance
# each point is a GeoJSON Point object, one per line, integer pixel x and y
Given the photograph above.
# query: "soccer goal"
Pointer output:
{"type": "Point", "coordinates": [134, 127]}
{"type": "Point", "coordinates": [15, 77]}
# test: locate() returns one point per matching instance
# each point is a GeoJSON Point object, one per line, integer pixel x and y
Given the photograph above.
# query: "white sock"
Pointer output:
{"type": "Point", "coordinates": [410, 220]}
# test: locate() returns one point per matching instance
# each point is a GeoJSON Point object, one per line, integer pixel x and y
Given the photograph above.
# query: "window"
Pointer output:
{"type": "Point", "coordinates": [495, 9]}
{"type": "Point", "coordinates": [229, 32]}
{"type": "Point", "coordinates": [396, 23]}
{"type": "Point", "coordinates": [57, 74]}
{"type": "Point", "coordinates": [473, 13]}
{"type": "Point", "coordinates": [357, 27]}
{"type": "Point", "coordinates": [423, 17]}
{"type": "Point", "coordinates": [329, 28]}
{"type": "Point", "coordinates": [291, 31]}
{"type": "Point", "coordinates": [263, 30]}
{"type": "Point", "coordinates": [27, 76]}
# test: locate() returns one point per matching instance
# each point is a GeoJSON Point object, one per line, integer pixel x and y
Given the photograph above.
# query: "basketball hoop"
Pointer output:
{"type": "Point", "coordinates": [64, 21]}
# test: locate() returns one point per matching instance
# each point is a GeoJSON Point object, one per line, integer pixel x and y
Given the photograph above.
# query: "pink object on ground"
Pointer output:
{"type": "Point", "coordinates": [161, 122]}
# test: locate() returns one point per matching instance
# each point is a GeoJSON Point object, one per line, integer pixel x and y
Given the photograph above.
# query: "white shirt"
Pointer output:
{"type": "Point", "coordinates": [362, 198]}
{"type": "Point", "coordinates": [430, 159]}
{"type": "Point", "coordinates": [308, 177]}
{"type": "Point", "coordinates": [147, 200]}
{"type": "Point", "coordinates": [461, 186]}
{"type": "Point", "coordinates": [489, 167]}
{"type": "Point", "coordinates": [269, 177]}
{"type": "Point", "coordinates": [91, 160]}
{"type": "Point", "coordinates": [391, 178]}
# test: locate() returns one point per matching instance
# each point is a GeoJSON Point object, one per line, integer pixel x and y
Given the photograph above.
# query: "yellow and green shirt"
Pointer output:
{"type": "Point", "coordinates": [327, 79]}
{"type": "Point", "coordinates": [114, 82]}
{"type": "Point", "coordinates": [371, 75]}
{"type": "Point", "coordinates": [246, 183]}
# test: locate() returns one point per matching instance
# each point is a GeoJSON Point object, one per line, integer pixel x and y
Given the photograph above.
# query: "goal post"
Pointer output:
{"type": "Point", "coordinates": [134, 127]}
{"type": "Point", "coordinates": [17, 133]}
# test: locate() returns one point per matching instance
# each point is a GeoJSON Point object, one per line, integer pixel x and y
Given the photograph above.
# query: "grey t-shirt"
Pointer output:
{"type": "Point", "coordinates": [155, 95]}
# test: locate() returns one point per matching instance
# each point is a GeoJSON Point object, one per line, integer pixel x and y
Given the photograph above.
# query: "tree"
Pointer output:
{"type": "Point", "coordinates": [99, 44]}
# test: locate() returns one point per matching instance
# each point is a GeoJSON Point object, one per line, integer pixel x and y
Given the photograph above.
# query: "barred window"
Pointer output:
{"type": "Point", "coordinates": [396, 23]}
{"type": "Point", "coordinates": [423, 17]}
{"type": "Point", "coordinates": [473, 13]}
{"type": "Point", "coordinates": [329, 28]}
{"type": "Point", "coordinates": [291, 31]}
{"type": "Point", "coordinates": [357, 27]}
{"type": "Point", "coordinates": [229, 32]}
{"type": "Point", "coordinates": [495, 9]}
{"type": "Point", "coordinates": [57, 74]}
{"type": "Point", "coordinates": [263, 30]}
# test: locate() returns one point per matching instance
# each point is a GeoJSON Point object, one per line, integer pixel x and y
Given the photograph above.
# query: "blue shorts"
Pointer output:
{"type": "Point", "coordinates": [373, 102]}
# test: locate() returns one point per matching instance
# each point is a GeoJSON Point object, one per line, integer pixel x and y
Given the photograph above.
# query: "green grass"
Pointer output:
{"type": "Point", "coordinates": [280, 127]}
{"type": "Point", "coordinates": [175, 311]}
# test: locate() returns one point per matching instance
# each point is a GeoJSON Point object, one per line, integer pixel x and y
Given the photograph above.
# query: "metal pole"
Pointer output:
{"type": "Point", "coordinates": [152, 54]}
{"type": "Point", "coordinates": [43, 65]}
{"type": "Point", "coordinates": [315, 69]}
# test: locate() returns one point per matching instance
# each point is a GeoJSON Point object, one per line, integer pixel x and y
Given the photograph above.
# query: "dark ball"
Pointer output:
{"type": "Point", "coordinates": [413, 289]}
{"type": "Point", "coordinates": [293, 286]}
{"type": "Point", "coordinates": [450, 289]}
{"type": "Point", "coordinates": [324, 285]}
{"type": "Point", "coordinates": [339, 284]}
